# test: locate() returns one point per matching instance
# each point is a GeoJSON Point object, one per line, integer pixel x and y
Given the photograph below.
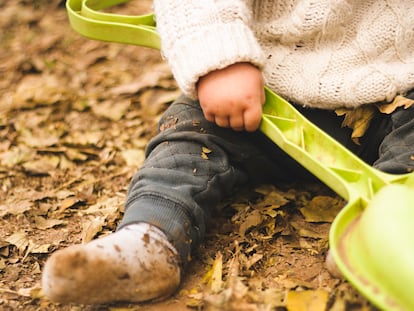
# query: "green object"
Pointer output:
{"type": "Point", "coordinates": [371, 239]}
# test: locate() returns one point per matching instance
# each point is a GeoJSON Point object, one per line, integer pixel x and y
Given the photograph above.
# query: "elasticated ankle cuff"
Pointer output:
{"type": "Point", "coordinates": [169, 217]}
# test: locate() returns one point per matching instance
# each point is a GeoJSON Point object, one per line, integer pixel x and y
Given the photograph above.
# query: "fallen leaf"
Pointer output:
{"type": "Point", "coordinates": [75, 155]}
{"type": "Point", "coordinates": [46, 223]}
{"type": "Point", "coordinates": [273, 297]}
{"type": "Point", "coordinates": [153, 101]}
{"type": "Point", "coordinates": [16, 208]}
{"type": "Point", "coordinates": [110, 110]}
{"type": "Point", "coordinates": [357, 119]}
{"type": "Point", "coordinates": [34, 90]}
{"type": "Point", "coordinates": [34, 292]}
{"type": "Point", "coordinates": [205, 150]}
{"type": "Point", "coordinates": [2, 264]}
{"type": "Point", "coordinates": [150, 78]}
{"type": "Point", "coordinates": [16, 155]}
{"type": "Point", "coordinates": [42, 166]}
{"type": "Point", "coordinates": [216, 281]}
{"type": "Point", "coordinates": [38, 248]}
{"type": "Point", "coordinates": [133, 157]}
{"type": "Point", "coordinates": [40, 139]}
{"type": "Point", "coordinates": [252, 260]}
{"type": "Point", "coordinates": [19, 240]}
{"type": "Point", "coordinates": [310, 300]}
{"type": "Point", "coordinates": [322, 209]}
{"type": "Point", "coordinates": [91, 228]}
{"type": "Point", "coordinates": [399, 101]}
{"type": "Point", "coordinates": [253, 219]}
{"type": "Point", "coordinates": [69, 202]}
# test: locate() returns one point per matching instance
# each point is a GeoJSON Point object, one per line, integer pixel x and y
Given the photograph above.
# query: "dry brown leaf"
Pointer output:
{"type": "Point", "coordinates": [308, 230]}
{"type": "Point", "coordinates": [216, 280]}
{"type": "Point", "coordinates": [35, 90]}
{"type": "Point", "coordinates": [399, 101]}
{"type": "Point", "coordinates": [16, 155]}
{"type": "Point", "coordinates": [2, 264]}
{"type": "Point", "coordinates": [153, 101]}
{"type": "Point", "coordinates": [20, 240]}
{"type": "Point", "coordinates": [322, 209]}
{"type": "Point", "coordinates": [69, 202]}
{"type": "Point", "coordinates": [150, 78]}
{"type": "Point", "coordinates": [46, 223]}
{"type": "Point", "coordinates": [357, 119]}
{"type": "Point", "coordinates": [252, 260]}
{"type": "Point", "coordinates": [16, 208]}
{"type": "Point", "coordinates": [254, 218]}
{"type": "Point", "coordinates": [274, 298]}
{"type": "Point", "coordinates": [111, 110]}
{"type": "Point", "coordinates": [37, 248]}
{"type": "Point", "coordinates": [43, 140]}
{"type": "Point", "coordinates": [85, 138]}
{"type": "Point", "coordinates": [34, 292]}
{"type": "Point", "coordinates": [272, 201]}
{"type": "Point", "coordinates": [91, 228]}
{"type": "Point", "coordinates": [75, 155]}
{"type": "Point", "coordinates": [310, 300]}
{"type": "Point", "coordinates": [205, 152]}
{"type": "Point", "coordinates": [133, 157]}
{"type": "Point", "coordinates": [42, 166]}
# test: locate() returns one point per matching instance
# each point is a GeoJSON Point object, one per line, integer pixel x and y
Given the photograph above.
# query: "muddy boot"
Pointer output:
{"type": "Point", "coordinates": [134, 264]}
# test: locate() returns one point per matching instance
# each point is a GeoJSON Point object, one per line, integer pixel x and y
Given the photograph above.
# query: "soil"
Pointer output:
{"type": "Point", "coordinates": [75, 117]}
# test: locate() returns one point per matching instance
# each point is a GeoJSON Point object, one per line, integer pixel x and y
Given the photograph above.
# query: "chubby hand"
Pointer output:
{"type": "Point", "coordinates": [233, 97]}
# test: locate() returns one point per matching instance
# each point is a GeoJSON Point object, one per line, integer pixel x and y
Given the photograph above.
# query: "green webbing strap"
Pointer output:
{"type": "Point", "coordinates": [86, 19]}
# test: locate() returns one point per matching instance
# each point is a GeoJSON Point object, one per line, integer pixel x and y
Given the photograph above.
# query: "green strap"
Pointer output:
{"type": "Point", "coordinates": [86, 19]}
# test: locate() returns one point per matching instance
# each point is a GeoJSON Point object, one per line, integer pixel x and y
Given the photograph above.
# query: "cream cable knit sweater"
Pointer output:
{"type": "Point", "coordinates": [320, 53]}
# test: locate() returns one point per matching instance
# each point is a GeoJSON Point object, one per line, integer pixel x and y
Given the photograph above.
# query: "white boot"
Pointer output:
{"type": "Point", "coordinates": [134, 264]}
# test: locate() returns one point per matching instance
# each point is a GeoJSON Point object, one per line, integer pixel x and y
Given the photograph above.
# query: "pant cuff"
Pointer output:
{"type": "Point", "coordinates": [168, 216]}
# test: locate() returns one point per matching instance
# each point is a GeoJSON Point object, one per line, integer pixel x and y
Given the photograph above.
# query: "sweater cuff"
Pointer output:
{"type": "Point", "coordinates": [214, 47]}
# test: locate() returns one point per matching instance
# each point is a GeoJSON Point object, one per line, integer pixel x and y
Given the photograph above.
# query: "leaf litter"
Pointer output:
{"type": "Point", "coordinates": [75, 117]}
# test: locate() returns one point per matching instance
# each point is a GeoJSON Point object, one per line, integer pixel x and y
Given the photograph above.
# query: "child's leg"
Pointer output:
{"type": "Point", "coordinates": [396, 153]}
{"type": "Point", "coordinates": [191, 165]}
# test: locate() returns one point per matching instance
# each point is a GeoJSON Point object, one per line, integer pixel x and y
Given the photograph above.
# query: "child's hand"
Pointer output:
{"type": "Point", "coordinates": [233, 97]}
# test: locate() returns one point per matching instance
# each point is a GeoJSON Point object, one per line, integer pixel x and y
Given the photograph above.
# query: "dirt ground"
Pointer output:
{"type": "Point", "coordinates": [75, 116]}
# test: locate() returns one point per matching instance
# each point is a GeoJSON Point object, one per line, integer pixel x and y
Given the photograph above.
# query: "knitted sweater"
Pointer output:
{"type": "Point", "coordinates": [318, 53]}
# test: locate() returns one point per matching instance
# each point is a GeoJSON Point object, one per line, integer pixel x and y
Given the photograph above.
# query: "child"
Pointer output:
{"type": "Point", "coordinates": [319, 54]}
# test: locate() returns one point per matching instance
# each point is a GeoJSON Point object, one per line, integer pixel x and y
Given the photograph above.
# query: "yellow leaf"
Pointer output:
{"type": "Point", "coordinates": [310, 300]}
{"type": "Point", "coordinates": [357, 119]}
{"type": "Point", "coordinates": [206, 150]}
{"type": "Point", "coordinates": [216, 282]}
{"type": "Point", "coordinates": [322, 209]}
{"type": "Point", "coordinates": [399, 101]}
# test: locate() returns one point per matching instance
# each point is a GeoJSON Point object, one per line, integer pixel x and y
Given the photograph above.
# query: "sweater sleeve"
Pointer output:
{"type": "Point", "coordinates": [198, 37]}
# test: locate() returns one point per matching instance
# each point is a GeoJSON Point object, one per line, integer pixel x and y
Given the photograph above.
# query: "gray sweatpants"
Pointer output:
{"type": "Point", "coordinates": [192, 165]}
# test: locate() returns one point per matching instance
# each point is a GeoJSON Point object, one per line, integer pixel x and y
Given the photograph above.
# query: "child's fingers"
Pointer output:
{"type": "Point", "coordinates": [222, 121]}
{"type": "Point", "coordinates": [237, 122]}
{"type": "Point", "coordinates": [252, 118]}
